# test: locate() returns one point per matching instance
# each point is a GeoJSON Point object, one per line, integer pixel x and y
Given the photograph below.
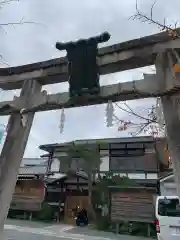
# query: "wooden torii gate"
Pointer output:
{"type": "Point", "coordinates": [159, 49]}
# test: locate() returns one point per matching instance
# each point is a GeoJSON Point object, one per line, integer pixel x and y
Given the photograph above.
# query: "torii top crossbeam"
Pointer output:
{"type": "Point", "coordinates": [118, 57]}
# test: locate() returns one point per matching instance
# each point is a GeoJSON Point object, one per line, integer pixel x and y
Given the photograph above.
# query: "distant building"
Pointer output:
{"type": "Point", "coordinates": [135, 157]}
{"type": "Point", "coordinates": [30, 190]}
{"type": "Point", "coordinates": [33, 166]}
{"type": "Point", "coordinates": [28, 162]}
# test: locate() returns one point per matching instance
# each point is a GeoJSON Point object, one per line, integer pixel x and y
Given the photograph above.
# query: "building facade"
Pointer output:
{"type": "Point", "coordinates": [135, 157]}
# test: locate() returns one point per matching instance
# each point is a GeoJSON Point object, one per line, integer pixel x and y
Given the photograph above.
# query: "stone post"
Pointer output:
{"type": "Point", "coordinates": [171, 109]}
{"type": "Point", "coordinates": [13, 149]}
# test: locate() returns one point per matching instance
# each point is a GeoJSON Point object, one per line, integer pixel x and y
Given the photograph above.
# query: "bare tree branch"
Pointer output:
{"type": "Point", "coordinates": [2, 3]}
{"type": "Point", "coordinates": [130, 111]}
{"type": "Point", "coordinates": [172, 31]}
{"type": "Point", "coordinates": [2, 25]}
{"type": "Point", "coordinates": [7, 1]}
{"type": "Point", "coordinates": [149, 124]}
{"type": "Point", "coordinates": [140, 129]}
{"type": "Point", "coordinates": [151, 121]}
{"type": "Point", "coordinates": [13, 24]}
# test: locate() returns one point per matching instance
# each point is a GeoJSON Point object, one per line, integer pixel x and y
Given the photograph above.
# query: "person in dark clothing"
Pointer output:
{"type": "Point", "coordinates": [85, 215]}
{"type": "Point", "coordinates": [81, 217]}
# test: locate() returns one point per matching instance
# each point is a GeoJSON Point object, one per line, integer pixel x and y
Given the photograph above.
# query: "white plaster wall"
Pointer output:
{"type": "Point", "coordinates": [32, 161]}
{"type": "Point", "coordinates": [55, 166]}
{"type": "Point", "coordinates": [104, 164]}
{"type": "Point", "coordinates": [168, 189]}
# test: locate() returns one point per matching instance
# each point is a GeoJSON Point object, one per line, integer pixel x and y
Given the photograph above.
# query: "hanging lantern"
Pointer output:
{"type": "Point", "coordinates": [109, 114]}
{"type": "Point", "coordinates": [62, 120]}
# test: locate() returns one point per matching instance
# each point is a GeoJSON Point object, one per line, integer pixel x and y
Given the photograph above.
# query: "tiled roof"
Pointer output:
{"type": "Point", "coordinates": [64, 146]}
{"type": "Point", "coordinates": [57, 176]}
{"type": "Point", "coordinates": [168, 177]}
{"type": "Point", "coordinates": [35, 170]}
{"type": "Point", "coordinates": [31, 161]}
{"type": "Point", "coordinates": [34, 166]}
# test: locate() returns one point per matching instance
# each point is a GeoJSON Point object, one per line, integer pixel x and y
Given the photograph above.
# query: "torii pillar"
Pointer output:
{"type": "Point", "coordinates": [167, 76]}
{"type": "Point", "coordinates": [13, 149]}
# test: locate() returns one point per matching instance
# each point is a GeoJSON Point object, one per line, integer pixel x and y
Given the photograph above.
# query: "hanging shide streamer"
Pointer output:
{"type": "Point", "coordinates": [62, 120]}
{"type": "Point", "coordinates": [109, 114]}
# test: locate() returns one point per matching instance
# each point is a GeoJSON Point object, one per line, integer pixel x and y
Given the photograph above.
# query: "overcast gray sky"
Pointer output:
{"type": "Point", "coordinates": [69, 20]}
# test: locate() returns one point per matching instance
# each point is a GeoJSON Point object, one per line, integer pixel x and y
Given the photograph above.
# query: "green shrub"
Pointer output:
{"type": "Point", "coordinates": [103, 223]}
{"type": "Point", "coordinates": [46, 213]}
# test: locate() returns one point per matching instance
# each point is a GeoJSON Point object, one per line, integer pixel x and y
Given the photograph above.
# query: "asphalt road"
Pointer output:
{"type": "Point", "coordinates": [26, 230]}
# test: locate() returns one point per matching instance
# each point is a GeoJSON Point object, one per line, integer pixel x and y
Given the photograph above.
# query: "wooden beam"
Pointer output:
{"type": "Point", "coordinates": [119, 57]}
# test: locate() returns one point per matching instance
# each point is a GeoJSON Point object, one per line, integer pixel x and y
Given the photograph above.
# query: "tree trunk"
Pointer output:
{"type": "Point", "coordinates": [91, 208]}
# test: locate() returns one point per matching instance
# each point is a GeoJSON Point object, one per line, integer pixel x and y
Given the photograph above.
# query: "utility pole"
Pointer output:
{"type": "Point", "coordinates": [19, 127]}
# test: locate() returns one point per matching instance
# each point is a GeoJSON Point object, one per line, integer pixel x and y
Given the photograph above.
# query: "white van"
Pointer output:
{"type": "Point", "coordinates": [167, 218]}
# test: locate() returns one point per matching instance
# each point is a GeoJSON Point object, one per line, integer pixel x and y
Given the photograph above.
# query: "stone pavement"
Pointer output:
{"type": "Point", "coordinates": [27, 230]}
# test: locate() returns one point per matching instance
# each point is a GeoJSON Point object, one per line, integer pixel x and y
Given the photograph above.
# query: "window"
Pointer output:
{"type": "Point", "coordinates": [127, 152]}
{"type": "Point", "coordinates": [121, 163]}
{"type": "Point", "coordinates": [117, 146]}
{"type": "Point", "coordinates": [135, 152]}
{"type": "Point", "coordinates": [169, 207]}
{"type": "Point", "coordinates": [118, 152]}
{"type": "Point", "coordinates": [149, 145]}
{"type": "Point", "coordinates": [30, 165]}
{"type": "Point", "coordinates": [52, 196]}
{"type": "Point", "coordinates": [135, 145]}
